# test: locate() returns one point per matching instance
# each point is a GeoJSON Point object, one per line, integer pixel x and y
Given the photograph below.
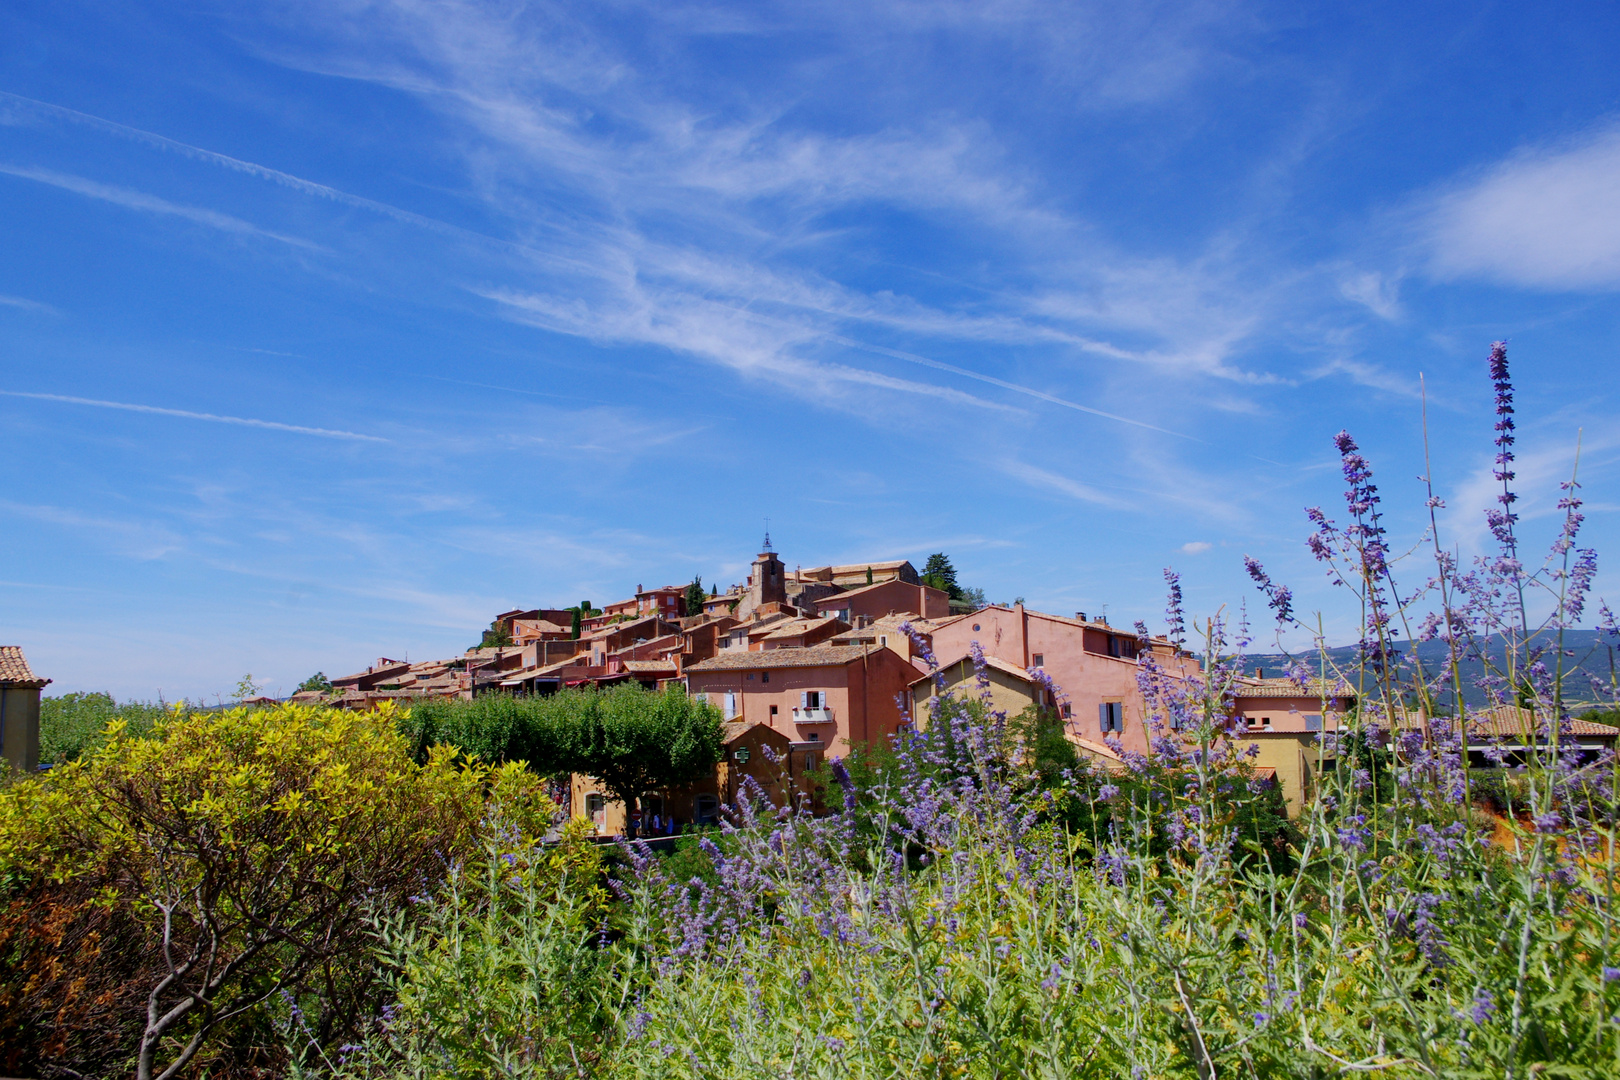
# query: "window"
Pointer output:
{"type": "Point", "coordinates": [883, 639]}
{"type": "Point", "coordinates": [731, 706]}
{"type": "Point", "coordinates": [773, 710]}
{"type": "Point", "coordinates": [706, 809]}
{"type": "Point", "coordinates": [975, 628]}
{"type": "Point", "coordinates": [1068, 710]}
{"type": "Point", "coordinates": [596, 810]}
{"type": "Point", "coordinates": [815, 736]}
{"type": "Point", "coordinates": [1111, 716]}
{"type": "Point", "coordinates": [764, 676]}
{"type": "Point", "coordinates": [1313, 721]}
{"type": "Point", "coordinates": [1113, 645]}
{"type": "Point", "coordinates": [1040, 659]}
{"type": "Point", "coordinates": [812, 699]}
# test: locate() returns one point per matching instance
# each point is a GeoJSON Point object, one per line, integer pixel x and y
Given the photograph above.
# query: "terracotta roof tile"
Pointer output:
{"type": "Point", "coordinates": [815, 656]}
{"type": "Point", "coordinates": [651, 667]}
{"type": "Point", "coordinates": [990, 662]}
{"type": "Point", "coordinates": [797, 628]}
{"type": "Point", "coordinates": [14, 669]}
{"type": "Point", "coordinates": [1287, 688]}
{"type": "Point", "coordinates": [1508, 721]}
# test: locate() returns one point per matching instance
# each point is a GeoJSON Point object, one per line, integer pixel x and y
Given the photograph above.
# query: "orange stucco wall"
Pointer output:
{"type": "Point", "coordinates": [862, 696]}
{"type": "Point", "coordinates": [888, 598]}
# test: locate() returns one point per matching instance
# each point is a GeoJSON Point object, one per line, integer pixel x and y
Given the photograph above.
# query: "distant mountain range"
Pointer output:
{"type": "Point", "coordinates": [1594, 657]}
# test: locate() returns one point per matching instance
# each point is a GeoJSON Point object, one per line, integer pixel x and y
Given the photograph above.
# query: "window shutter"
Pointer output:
{"type": "Point", "coordinates": [804, 699]}
{"type": "Point", "coordinates": [1103, 717]}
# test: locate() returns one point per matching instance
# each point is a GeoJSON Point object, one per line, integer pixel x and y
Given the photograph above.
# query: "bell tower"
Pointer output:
{"type": "Point", "coordinates": [768, 581]}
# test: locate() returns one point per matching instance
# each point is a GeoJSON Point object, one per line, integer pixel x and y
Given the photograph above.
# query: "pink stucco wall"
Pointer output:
{"type": "Point", "coordinates": [1075, 655]}
{"type": "Point", "coordinates": [1287, 713]}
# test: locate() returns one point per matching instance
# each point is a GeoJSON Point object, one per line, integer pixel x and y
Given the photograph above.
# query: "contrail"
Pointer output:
{"type": "Point", "coordinates": [1014, 387]}
{"type": "Point", "coordinates": [276, 176]}
{"type": "Point", "coordinates": [243, 421]}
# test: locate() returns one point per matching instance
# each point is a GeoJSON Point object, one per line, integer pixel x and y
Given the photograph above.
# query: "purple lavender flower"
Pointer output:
{"type": "Point", "coordinates": [1278, 597]}
{"type": "Point", "coordinates": [1175, 621]}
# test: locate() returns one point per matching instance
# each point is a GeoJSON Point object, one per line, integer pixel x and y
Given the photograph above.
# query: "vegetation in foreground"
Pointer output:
{"type": "Point", "coordinates": [977, 905]}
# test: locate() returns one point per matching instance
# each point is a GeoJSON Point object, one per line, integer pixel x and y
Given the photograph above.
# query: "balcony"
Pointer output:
{"type": "Point", "coordinates": [812, 716]}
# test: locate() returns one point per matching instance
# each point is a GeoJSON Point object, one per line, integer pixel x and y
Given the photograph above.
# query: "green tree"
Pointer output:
{"type": "Point", "coordinates": [498, 636]}
{"type": "Point", "coordinates": [938, 573]}
{"type": "Point", "coordinates": [635, 742]}
{"type": "Point", "coordinates": [695, 597]}
{"type": "Point", "coordinates": [247, 688]}
{"type": "Point", "coordinates": [869, 575]}
{"type": "Point", "coordinates": [574, 623]}
{"type": "Point", "coordinates": [317, 682]}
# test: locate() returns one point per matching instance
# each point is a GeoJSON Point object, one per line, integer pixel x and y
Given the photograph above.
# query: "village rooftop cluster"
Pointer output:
{"type": "Point", "coordinates": [815, 662]}
{"type": "Point", "coordinates": [806, 664]}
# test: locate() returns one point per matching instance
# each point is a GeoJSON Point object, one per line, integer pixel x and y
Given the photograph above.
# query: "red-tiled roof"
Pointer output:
{"type": "Point", "coordinates": [14, 669]}
{"type": "Point", "coordinates": [1508, 721]}
{"type": "Point", "coordinates": [990, 662]}
{"type": "Point", "coordinates": [815, 656]}
{"type": "Point", "coordinates": [1288, 688]}
{"type": "Point", "coordinates": [798, 628]}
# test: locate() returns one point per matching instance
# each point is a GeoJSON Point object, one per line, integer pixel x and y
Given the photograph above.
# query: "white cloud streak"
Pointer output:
{"type": "Point", "coordinates": [139, 200]}
{"type": "Point", "coordinates": [27, 305]}
{"type": "Point", "coordinates": [240, 421]}
{"type": "Point", "coordinates": [1546, 218]}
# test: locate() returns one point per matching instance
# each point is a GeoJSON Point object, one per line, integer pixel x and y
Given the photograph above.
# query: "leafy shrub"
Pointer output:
{"type": "Point", "coordinates": [163, 892]}
{"type": "Point", "coordinates": [496, 973]}
{"type": "Point", "coordinates": [75, 724]}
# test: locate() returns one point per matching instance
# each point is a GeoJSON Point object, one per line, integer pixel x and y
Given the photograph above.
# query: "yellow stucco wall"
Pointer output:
{"type": "Point", "coordinates": [21, 736]}
{"type": "Point", "coordinates": [1294, 754]}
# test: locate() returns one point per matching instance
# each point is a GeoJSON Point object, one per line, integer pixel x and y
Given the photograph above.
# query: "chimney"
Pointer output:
{"type": "Point", "coordinates": [1080, 615]}
{"type": "Point", "coordinates": [1259, 672]}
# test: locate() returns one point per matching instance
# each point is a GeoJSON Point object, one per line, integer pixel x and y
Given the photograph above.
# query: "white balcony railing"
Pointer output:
{"type": "Point", "coordinates": [812, 716]}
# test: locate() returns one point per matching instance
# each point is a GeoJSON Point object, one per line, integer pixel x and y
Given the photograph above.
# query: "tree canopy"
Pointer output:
{"type": "Point", "coordinates": [938, 573]}
{"type": "Point", "coordinates": [694, 596]}
{"type": "Point", "coordinates": [318, 682]}
{"type": "Point", "coordinates": [633, 741]}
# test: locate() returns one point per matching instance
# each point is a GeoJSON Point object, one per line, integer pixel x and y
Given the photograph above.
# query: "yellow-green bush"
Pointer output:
{"type": "Point", "coordinates": [167, 888]}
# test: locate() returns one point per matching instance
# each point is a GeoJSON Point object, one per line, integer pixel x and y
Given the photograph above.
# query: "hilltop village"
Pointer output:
{"type": "Point", "coordinates": [814, 662]}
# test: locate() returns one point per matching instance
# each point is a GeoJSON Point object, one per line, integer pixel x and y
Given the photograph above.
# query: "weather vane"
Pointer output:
{"type": "Point", "coordinates": [767, 534]}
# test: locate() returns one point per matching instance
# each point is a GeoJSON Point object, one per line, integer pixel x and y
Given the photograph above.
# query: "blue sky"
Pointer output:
{"type": "Point", "coordinates": [328, 330]}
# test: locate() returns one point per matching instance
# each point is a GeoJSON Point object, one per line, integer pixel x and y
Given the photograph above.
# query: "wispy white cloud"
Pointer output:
{"type": "Point", "coordinates": [690, 204]}
{"type": "Point", "coordinates": [27, 305]}
{"type": "Point", "coordinates": [139, 200]}
{"type": "Point", "coordinates": [1378, 293]}
{"type": "Point", "coordinates": [1044, 478]}
{"type": "Point", "coordinates": [1548, 217]}
{"type": "Point", "coordinates": [1540, 467]}
{"type": "Point", "coordinates": [136, 539]}
{"type": "Point", "coordinates": [1196, 547]}
{"type": "Point", "coordinates": [242, 421]}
